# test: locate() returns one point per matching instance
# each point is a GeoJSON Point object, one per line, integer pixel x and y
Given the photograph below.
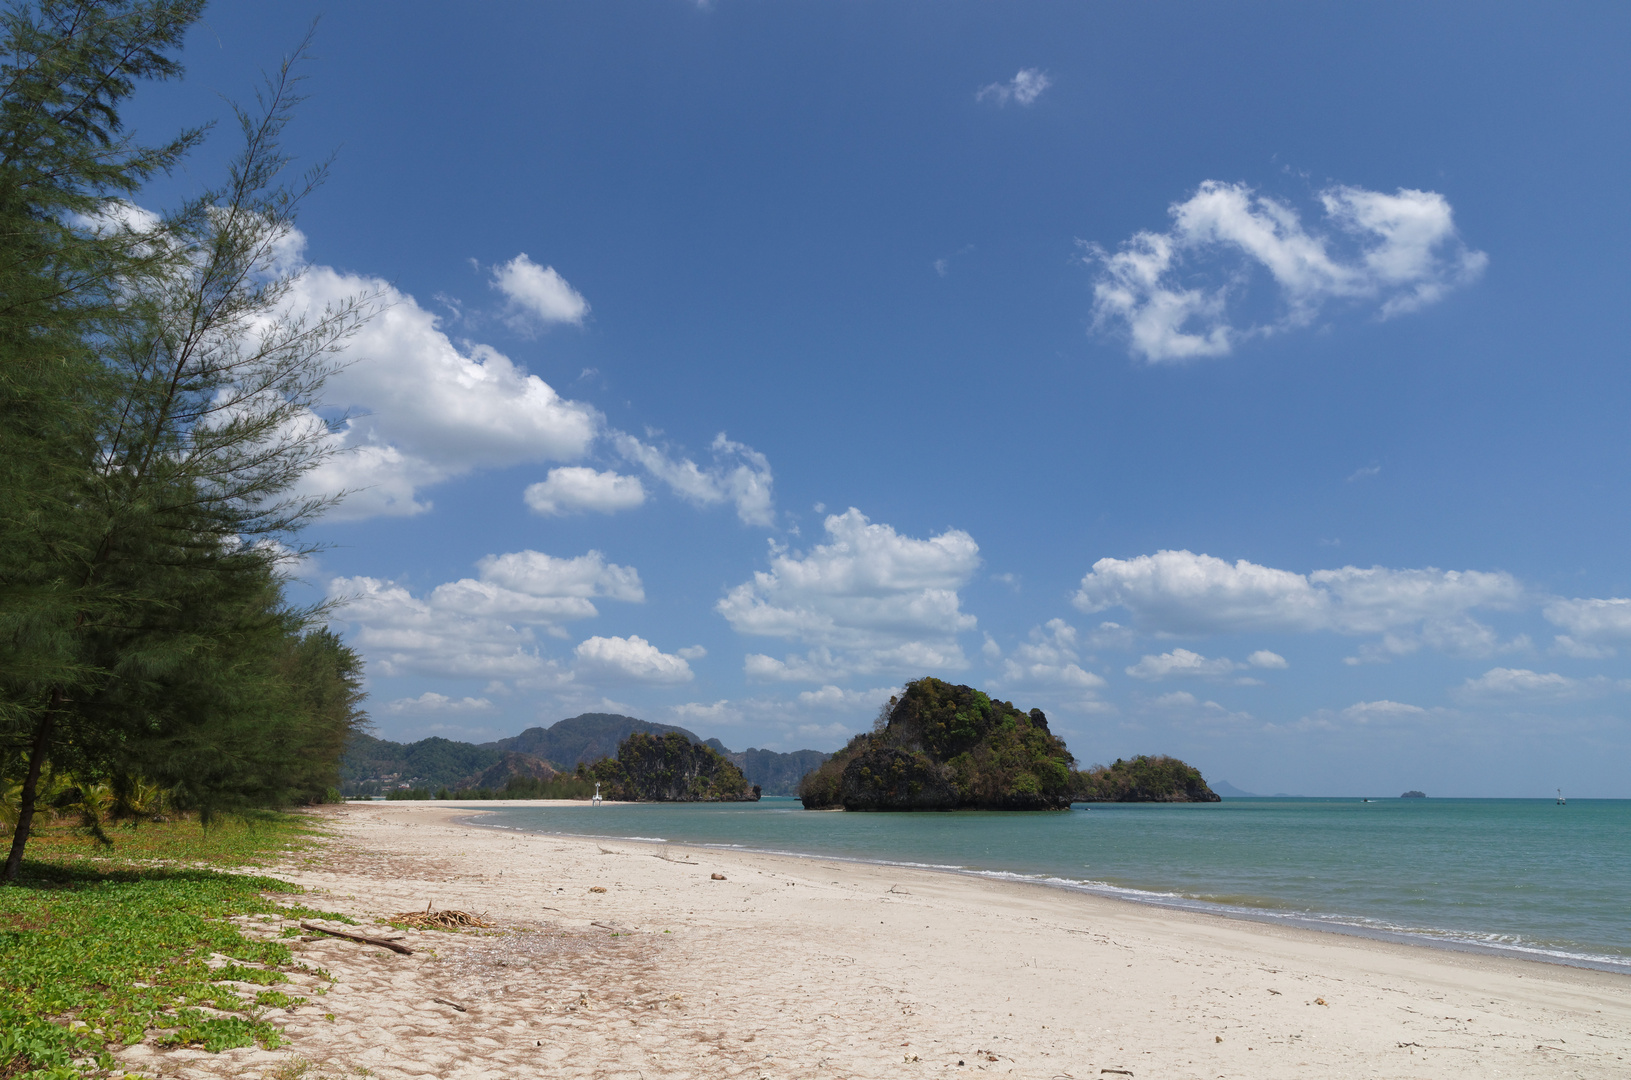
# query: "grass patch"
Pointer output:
{"type": "Point", "coordinates": [100, 948]}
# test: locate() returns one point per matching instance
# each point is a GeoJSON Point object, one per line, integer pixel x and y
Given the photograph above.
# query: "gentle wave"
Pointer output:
{"type": "Point", "coordinates": [1238, 904]}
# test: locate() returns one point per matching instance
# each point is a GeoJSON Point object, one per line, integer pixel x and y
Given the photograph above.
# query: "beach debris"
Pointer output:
{"type": "Point", "coordinates": [446, 919]}
{"type": "Point", "coordinates": [384, 943]}
{"type": "Point", "coordinates": [1118, 1072]}
{"type": "Point", "coordinates": [1217, 1038]}
{"type": "Point", "coordinates": [1319, 1001]}
{"type": "Point", "coordinates": [717, 876]}
{"type": "Point", "coordinates": [449, 1004]}
{"type": "Point", "coordinates": [597, 888]}
{"type": "Point", "coordinates": [1275, 992]}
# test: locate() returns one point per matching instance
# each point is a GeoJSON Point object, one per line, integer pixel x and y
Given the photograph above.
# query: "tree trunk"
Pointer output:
{"type": "Point", "coordinates": [31, 787]}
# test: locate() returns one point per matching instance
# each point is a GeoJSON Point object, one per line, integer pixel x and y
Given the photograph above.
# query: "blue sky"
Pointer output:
{"type": "Point", "coordinates": [1242, 382]}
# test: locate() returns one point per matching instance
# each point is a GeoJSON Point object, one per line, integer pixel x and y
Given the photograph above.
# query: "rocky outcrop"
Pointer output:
{"type": "Point", "coordinates": [940, 746]}
{"type": "Point", "coordinates": [670, 768]}
{"type": "Point", "coordinates": [1144, 779]}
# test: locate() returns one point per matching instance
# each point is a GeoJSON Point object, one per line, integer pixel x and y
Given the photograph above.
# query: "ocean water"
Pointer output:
{"type": "Point", "coordinates": [1518, 876]}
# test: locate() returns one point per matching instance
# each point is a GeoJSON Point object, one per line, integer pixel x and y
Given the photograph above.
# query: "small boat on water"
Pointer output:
{"type": "Point", "coordinates": [1561, 801]}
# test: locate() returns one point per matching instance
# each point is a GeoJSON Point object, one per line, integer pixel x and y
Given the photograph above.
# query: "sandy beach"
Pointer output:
{"type": "Point", "coordinates": [794, 967]}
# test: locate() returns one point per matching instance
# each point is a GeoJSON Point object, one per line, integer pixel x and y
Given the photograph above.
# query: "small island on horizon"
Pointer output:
{"type": "Point", "coordinates": [943, 746]}
{"type": "Point", "coordinates": [1414, 795]}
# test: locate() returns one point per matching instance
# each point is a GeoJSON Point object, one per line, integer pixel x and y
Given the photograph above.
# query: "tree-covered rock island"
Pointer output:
{"type": "Point", "coordinates": [669, 768]}
{"type": "Point", "coordinates": [941, 746]}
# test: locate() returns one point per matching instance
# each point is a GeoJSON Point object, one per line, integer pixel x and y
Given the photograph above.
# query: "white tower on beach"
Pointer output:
{"type": "Point", "coordinates": [596, 800]}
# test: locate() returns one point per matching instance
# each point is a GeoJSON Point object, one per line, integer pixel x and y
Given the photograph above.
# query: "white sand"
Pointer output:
{"type": "Point", "coordinates": [807, 968]}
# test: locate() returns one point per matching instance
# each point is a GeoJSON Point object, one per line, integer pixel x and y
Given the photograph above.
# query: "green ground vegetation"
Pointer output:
{"type": "Point", "coordinates": [103, 947]}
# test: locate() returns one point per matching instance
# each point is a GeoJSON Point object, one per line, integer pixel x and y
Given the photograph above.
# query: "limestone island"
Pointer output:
{"type": "Point", "coordinates": [939, 746]}
{"type": "Point", "coordinates": [669, 768]}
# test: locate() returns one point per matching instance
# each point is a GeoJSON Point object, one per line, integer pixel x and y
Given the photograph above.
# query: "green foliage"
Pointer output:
{"type": "Point", "coordinates": [95, 954]}
{"type": "Point", "coordinates": [669, 768]}
{"type": "Point", "coordinates": [1143, 779]}
{"type": "Point", "coordinates": [371, 766]}
{"type": "Point", "coordinates": [158, 418]}
{"type": "Point", "coordinates": [941, 746]}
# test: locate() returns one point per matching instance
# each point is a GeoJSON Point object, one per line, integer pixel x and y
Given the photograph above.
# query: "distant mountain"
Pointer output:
{"type": "Point", "coordinates": [495, 776]}
{"type": "Point", "coordinates": [586, 738]}
{"type": "Point", "coordinates": [774, 773]}
{"type": "Point", "coordinates": [1229, 791]}
{"type": "Point", "coordinates": [373, 766]}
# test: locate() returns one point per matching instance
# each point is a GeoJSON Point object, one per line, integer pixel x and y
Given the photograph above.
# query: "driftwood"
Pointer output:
{"type": "Point", "coordinates": [449, 1004]}
{"type": "Point", "coordinates": [384, 943]}
{"type": "Point", "coordinates": [446, 919]}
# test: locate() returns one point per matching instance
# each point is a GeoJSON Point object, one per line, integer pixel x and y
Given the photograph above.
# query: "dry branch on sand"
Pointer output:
{"type": "Point", "coordinates": [446, 919]}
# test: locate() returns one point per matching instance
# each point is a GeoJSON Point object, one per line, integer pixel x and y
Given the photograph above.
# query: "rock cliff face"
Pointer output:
{"type": "Point", "coordinates": [942, 746]}
{"type": "Point", "coordinates": [1144, 779]}
{"type": "Point", "coordinates": [670, 768]}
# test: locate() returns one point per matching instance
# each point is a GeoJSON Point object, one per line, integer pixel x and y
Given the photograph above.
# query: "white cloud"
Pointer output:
{"type": "Point", "coordinates": [536, 574]}
{"type": "Point", "coordinates": [691, 652]}
{"type": "Point", "coordinates": [1262, 658]}
{"type": "Point", "coordinates": [834, 697]}
{"type": "Point", "coordinates": [1564, 645]}
{"type": "Point", "coordinates": [1051, 658]}
{"type": "Point", "coordinates": [432, 702]}
{"type": "Point", "coordinates": [632, 658]}
{"type": "Point", "coordinates": [1369, 712]}
{"type": "Point", "coordinates": [1515, 681]}
{"type": "Point", "coordinates": [1023, 89]}
{"type": "Point", "coordinates": [1396, 252]}
{"type": "Point", "coordinates": [739, 474]}
{"type": "Point", "coordinates": [868, 600]}
{"type": "Point", "coordinates": [482, 626]}
{"type": "Point", "coordinates": [1180, 662]}
{"type": "Point", "coordinates": [574, 488]}
{"type": "Point", "coordinates": [424, 409]}
{"type": "Point", "coordinates": [1179, 592]}
{"type": "Point", "coordinates": [1590, 619]}
{"type": "Point", "coordinates": [537, 294]}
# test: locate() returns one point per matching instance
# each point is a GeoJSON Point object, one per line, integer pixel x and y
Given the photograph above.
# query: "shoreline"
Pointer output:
{"type": "Point", "coordinates": [1332, 924]}
{"type": "Point", "coordinates": [669, 961]}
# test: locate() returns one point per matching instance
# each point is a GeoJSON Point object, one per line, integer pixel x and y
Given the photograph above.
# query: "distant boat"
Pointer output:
{"type": "Point", "coordinates": [1561, 801]}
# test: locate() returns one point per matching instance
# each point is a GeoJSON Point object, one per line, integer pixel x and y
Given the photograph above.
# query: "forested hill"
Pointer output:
{"type": "Point", "coordinates": [373, 766]}
{"type": "Point", "coordinates": [586, 738]}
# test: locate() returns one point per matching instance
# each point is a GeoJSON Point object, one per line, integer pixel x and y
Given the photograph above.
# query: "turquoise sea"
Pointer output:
{"type": "Point", "coordinates": [1519, 876]}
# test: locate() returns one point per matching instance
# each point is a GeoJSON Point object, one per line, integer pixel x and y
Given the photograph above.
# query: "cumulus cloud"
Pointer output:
{"type": "Point", "coordinates": [425, 410]}
{"type": "Point", "coordinates": [1180, 662]}
{"type": "Point", "coordinates": [1023, 89]}
{"type": "Point", "coordinates": [1503, 681]}
{"type": "Point", "coordinates": [1180, 592]}
{"type": "Point", "coordinates": [537, 295]}
{"type": "Point", "coordinates": [575, 488]}
{"type": "Point", "coordinates": [484, 626]}
{"type": "Point", "coordinates": [739, 474]}
{"type": "Point", "coordinates": [432, 702]}
{"type": "Point", "coordinates": [1176, 294]}
{"type": "Point", "coordinates": [868, 600]}
{"type": "Point", "coordinates": [1591, 619]}
{"type": "Point", "coordinates": [1361, 714]}
{"type": "Point", "coordinates": [1262, 658]}
{"type": "Point", "coordinates": [1050, 658]}
{"type": "Point", "coordinates": [632, 658]}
